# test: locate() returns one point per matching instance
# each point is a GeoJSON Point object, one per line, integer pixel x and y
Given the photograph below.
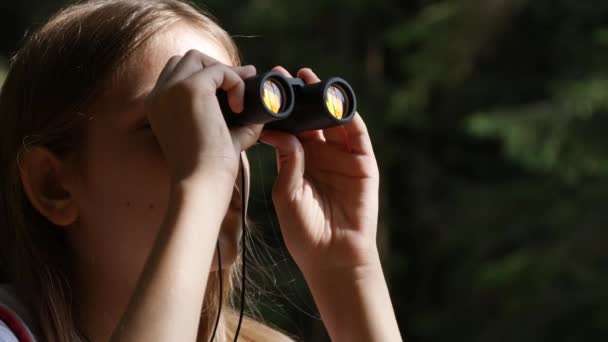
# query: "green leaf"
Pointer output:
{"type": "Point", "coordinates": [586, 97]}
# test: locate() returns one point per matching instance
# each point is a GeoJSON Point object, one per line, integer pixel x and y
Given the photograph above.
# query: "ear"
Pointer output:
{"type": "Point", "coordinates": [44, 176]}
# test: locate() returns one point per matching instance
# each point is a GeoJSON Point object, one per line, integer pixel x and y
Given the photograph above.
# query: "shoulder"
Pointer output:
{"type": "Point", "coordinates": [13, 317]}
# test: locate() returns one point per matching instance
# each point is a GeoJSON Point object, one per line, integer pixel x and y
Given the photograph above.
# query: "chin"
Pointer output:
{"type": "Point", "coordinates": [230, 235]}
{"type": "Point", "coordinates": [229, 256]}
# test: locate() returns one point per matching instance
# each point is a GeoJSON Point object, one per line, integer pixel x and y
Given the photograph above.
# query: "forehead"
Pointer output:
{"type": "Point", "coordinates": [177, 40]}
{"type": "Point", "coordinates": [139, 73]}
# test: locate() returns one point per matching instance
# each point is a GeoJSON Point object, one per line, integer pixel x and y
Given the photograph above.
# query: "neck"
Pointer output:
{"type": "Point", "coordinates": [100, 300]}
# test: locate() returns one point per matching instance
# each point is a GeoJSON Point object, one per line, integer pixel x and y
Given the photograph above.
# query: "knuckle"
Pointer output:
{"type": "Point", "coordinates": [211, 79]}
{"type": "Point", "coordinates": [193, 53]}
{"type": "Point", "coordinates": [246, 136]}
{"type": "Point", "coordinates": [216, 67]}
{"type": "Point", "coordinates": [249, 133]}
{"type": "Point", "coordinates": [174, 59]}
{"type": "Point", "coordinates": [294, 145]}
{"type": "Point", "coordinates": [223, 68]}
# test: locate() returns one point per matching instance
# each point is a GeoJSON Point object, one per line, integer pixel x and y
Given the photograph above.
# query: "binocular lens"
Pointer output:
{"type": "Point", "coordinates": [290, 105]}
{"type": "Point", "coordinates": [273, 96]}
{"type": "Point", "coordinates": [336, 101]}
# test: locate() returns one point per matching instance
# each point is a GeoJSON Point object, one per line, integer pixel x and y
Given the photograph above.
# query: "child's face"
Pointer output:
{"type": "Point", "coordinates": [123, 192]}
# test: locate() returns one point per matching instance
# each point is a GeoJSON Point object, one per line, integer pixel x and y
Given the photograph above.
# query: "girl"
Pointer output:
{"type": "Point", "coordinates": [119, 176]}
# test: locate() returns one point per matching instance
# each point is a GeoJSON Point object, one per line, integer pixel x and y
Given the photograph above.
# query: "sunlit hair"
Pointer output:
{"type": "Point", "coordinates": [59, 70]}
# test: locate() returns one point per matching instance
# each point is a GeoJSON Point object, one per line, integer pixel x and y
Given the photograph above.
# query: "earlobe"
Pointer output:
{"type": "Point", "coordinates": [42, 177]}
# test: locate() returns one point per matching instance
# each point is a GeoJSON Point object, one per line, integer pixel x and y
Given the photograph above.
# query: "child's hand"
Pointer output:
{"type": "Point", "coordinates": [185, 117]}
{"type": "Point", "coordinates": [326, 198]}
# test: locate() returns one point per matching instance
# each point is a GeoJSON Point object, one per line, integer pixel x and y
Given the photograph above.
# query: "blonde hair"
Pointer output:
{"type": "Point", "coordinates": [59, 70]}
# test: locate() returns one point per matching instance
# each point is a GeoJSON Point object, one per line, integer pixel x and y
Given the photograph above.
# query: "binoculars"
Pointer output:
{"type": "Point", "coordinates": [289, 105]}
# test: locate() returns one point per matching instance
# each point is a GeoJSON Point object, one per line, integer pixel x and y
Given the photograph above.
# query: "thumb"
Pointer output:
{"type": "Point", "coordinates": [290, 161]}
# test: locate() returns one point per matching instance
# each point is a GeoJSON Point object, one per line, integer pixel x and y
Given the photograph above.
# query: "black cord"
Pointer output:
{"type": "Point", "coordinates": [219, 262]}
{"type": "Point", "coordinates": [219, 309]}
{"type": "Point", "coordinates": [238, 327]}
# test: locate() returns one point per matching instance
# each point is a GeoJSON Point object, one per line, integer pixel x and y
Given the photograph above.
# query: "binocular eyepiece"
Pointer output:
{"type": "Point", "coordinates": [290, 105]}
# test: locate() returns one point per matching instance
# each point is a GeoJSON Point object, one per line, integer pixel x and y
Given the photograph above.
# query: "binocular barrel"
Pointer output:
{"type": "Point", "coordinates": [290, 105]}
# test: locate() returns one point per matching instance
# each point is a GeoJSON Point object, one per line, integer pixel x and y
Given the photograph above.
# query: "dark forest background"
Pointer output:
{"type": "Point", "coordinates": [488, 119]}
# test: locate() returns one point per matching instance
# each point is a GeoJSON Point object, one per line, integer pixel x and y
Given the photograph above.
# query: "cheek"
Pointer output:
{"type": "Point", "coordinates": [128, 177]}
{"type": "Point", "coordinates": [126, 196]}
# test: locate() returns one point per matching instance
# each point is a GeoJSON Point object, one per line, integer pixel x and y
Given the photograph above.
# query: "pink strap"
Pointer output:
{"type": "Point", "coordinates": [14, 324]}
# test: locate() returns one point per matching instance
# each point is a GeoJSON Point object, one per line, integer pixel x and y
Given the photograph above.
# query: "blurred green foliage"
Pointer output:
{"type": "Point", "coordinates": [487, 118]}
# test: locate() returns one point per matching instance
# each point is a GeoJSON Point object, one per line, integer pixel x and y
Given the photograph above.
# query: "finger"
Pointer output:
{"type": "Point", "coordinates": [245, 71]}
{"type": "Point", "coordinates": [324, 158]}
{"type": "Point", "coordinates": [192, 62]}
{"type": "Point", "coordinates": [168, 69]}
{"type": "Point", "coordinates": [308, 76]}
{"type": "Point", "coordinates": [358, 136]}
{"type": "Point", "coordinates": [221, 76]}
{"type": "Point", "coordinates": [336, 135]}
{"type": "Point", "coordinates": [282, 70]}
{"type": "Point", "coordinates": [290, 163]}
{"type": "Point", "coordinates": [312, 135]}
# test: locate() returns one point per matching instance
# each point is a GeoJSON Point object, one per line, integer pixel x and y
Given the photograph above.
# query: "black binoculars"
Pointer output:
{"type": "Point", "coordinates": [290, 105]}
